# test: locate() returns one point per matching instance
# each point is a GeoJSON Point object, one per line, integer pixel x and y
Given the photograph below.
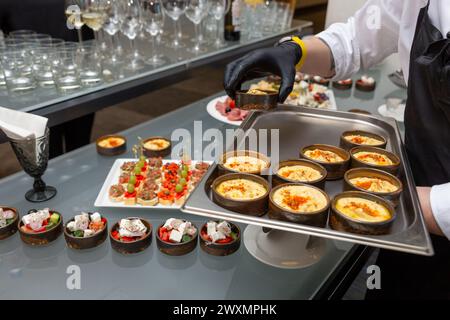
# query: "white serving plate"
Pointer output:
{"type": "Point", "coordinates": [103, 200]}
{"type": "Point", "coordinates": [211, 108]}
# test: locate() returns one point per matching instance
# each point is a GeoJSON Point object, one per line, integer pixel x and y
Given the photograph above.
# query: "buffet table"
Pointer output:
{"type": "Point", "coordinates": [29, 272]}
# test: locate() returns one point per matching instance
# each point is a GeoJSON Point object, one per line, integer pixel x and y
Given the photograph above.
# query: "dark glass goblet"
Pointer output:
{"type": "Point", "coordinates": [33, 157]}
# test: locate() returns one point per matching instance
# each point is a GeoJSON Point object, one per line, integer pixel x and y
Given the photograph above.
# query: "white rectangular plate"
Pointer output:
{"type": "Point", "coordinates": [113, 177]}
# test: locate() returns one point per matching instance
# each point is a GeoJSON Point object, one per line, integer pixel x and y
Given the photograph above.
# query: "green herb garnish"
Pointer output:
{"type": "Point", "coordinates": [233, 235]}
{"type": "Point", "coordinates": [78, 233]}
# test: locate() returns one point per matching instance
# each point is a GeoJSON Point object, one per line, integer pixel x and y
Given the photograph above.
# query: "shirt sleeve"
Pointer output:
{"type": "Point", "coordinates": [440, 205]}
{"type": "Point", "coordinates": [368, 37]}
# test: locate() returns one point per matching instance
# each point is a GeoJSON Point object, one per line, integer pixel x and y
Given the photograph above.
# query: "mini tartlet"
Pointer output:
{"type": "Point", "coordinates": [299, 203]}
{"type": "Point", "coordinates": [220, 238]}
{"type": "Point", "coordinates": [335, 160]}
{"type": "Point", "coordinates": [176, 237]}
{"type": "Point", "coordinates": [374, 181]}
{"type": "Point", "coordinates": [243, 161]}
{"type": "Point", "coordinates": [8, 222]}
{"type": "Point", "coordinates": [85, 231]}
{"type": "Point", "coordinates": [299, 170]}
{"type": "Point", "coordinates": [362, 213]}
{"type": "Point", "coordinates": [357, 138]}
{"type": "Point", "coordinates": [256, 100]}
{"type": "Point", "coordinates": [111, 145]}
{"type": "Point", "coordinates": [131, 235]}
{"type": "Point", "coordinates": [40, 227]}
{"type": "Point", "coordinates": [365, 83]}
{"type": "Point", "coordinates": [241, 192]}
{"type": "Point", "coordinates": [156, 147]}
{"type": "Point", "coordinates": [377, 158]}
{"type": "Point", "coordinates": [343, 84]}
{"type": "Point", "coordinates": [320, 80]}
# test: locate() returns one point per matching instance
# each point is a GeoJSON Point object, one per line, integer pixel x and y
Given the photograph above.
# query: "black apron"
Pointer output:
{"type": "Point", "coordinates": [427, 141]}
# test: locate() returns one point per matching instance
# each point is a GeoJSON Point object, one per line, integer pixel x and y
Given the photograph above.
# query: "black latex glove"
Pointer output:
{"type": "Point", "coordinates": [279, 60]}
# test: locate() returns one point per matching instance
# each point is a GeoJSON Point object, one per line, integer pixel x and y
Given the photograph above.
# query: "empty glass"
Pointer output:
{"type": "Point", "coordinates": [218, 9]}
{"type": "Point", "coordinates": [33, 157]}
{"type": "Point", "coordinates": [131, 26]}
{"type": "Point", "coordinates": [17, 71]}
{"type": "Point", "coordinates": [89, 66]}
{"type": "Point", "coordinates": [175, 9]}
{"type": "Point", "coordinates": [43, 62]}
{"type": "Point", "coordinates": [196, 10]}
{"type": "Point", "coordinates": [65, 71]}
{"type": "Point", "coordinates": [114, 18]}
{"type": "Point", "coordinates": [153, 17]}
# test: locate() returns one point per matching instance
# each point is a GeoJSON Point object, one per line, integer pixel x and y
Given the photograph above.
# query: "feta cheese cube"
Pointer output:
{"type": "Point", "coordinates": [183, 228]}
{"type": "Point", "coordinates": [191, 231]}
{"type": "Point", "coordinates": [224, 227]}
{"type": "Point", "coordinates": [96, 217]}
{"type": "Point", "coordinates": [217, 236]}
{"type": "Point", "coordinates": [88, 232]}
{"type": "Point", "coordinates": [168, 224]}
{"type": "Point", "coordinates": [211, 227]}
{"type": "Point", "coordinates": [71, 226]}
{"type": "Point", "coordinates": [132, 228]}
{"type": "Point", "coordinates": [176, 236]}
{"type": "Point", "coordinates": [82, 221]}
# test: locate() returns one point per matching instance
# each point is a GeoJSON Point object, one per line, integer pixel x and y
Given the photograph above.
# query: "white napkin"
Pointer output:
{"type": "Point", "coordinates": [21, 125]}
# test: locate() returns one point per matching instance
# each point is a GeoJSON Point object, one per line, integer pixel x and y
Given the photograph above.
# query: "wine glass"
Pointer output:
{"type": "Point", "coordinates": [196, 10]}
{"type": "Point", "coordinates": [94, 16]}
{"type": "Point", "coordinates": [111, 25]}
{"type": "Point", "coordinates": [33, 157]}
{"type": "Point", "coordinates": [175, 9]}
{"type": "Point", "coordinates": [218, 9]}
{"type": "Point", "coordinates": [131, 26]}
{"type": "Point", "coordinates": [73, 14]}
{"type": "Point", "coordinates": [153, 17]}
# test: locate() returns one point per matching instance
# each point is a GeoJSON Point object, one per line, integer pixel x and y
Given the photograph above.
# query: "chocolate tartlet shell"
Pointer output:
{"type": "Point", "coordinates": [221, 249]}
{"type": "Point", "coordinates": [156, 153]}
{"type": "Point", "coordinates": [278, 179]}
{"type": "Point", "coordinates": [135, 246]}
{"type": "Point", "coordinates": [112, 151]}
{"type": "Point", "coordinates": [79, 243]}
{"type": "Point", "coordinates": [247, 101]}
{"type": "Point", "coordinates": [342, 86]}
{"type": "Point", "coordinates": [392, 169]}
{"type": "Point", "coordinates": [254, 207]}
{"type": "Point", "coordinates": [176, 249]}
{"type": "Point", "coordinates": [237, 153]}
{"type": "Point", "coordinates": [42, 238]}
{"type": "Point", "coordinates": [348, 145]}
{"type": "Point", "coordinates": [341, 222]}
{"type": "Point", "coordinates": [365, 87]}
{"type": "Point", "coordinates": [11, 228]}
{"type": "Point", "coordinates": [335, 170]}
{"type": "Point", "coordinates": [317, 219]}
{"type": "Point", "coordinates": [393, 197]}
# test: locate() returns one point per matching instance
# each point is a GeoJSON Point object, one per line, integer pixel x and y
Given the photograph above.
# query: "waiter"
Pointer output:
{"type": "Point", "coordinates": [419, 30]}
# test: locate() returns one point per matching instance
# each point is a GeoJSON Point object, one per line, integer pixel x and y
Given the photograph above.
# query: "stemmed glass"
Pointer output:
{"type": "Point", "coordinates": [94, 16]}
{"type": "Point", "coordinates": [175, 9]}
{"type": "Point", "coordinates": [196, 10]}
{"type": "Point", "coordinates": [153, 17]}
{"type": "Point", "coordinates": [114, 18]}
{"type": "Point", "coordinates": [131, 26]}
{"type": "Point", "coordinates": [218, 9]}
{"type": "Point", "coordinates": [73, 9]}
{"type": "Point", "coordinates": [33, 157]}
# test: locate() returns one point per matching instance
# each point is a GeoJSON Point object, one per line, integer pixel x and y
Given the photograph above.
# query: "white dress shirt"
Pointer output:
{"type": "Point", "coordinates": [378, 29]}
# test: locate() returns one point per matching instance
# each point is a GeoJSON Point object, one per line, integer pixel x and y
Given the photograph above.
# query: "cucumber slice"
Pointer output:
{"type": "Point", "coordinates": [186, 238]}
{"type": "Point", "coordinates": [78, 233]}
{"type": "Point", "coordinates": [54, 218]}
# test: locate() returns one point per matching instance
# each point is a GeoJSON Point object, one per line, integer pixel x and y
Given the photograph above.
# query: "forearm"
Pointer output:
{"type": "Point", "coordinates": [319, 59]}
{"type": "Point", "coordinates": [424, 198]}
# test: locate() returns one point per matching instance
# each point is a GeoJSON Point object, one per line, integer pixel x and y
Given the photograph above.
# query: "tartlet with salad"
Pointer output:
{"type": "Point", "coordinates": [86, 230]}
{"type": "Point", "coordinates": [131, 235]}
{"type": "Point", "coordinates": [8, 222]}
{"type": "Point", "coordinates": [220, 238]}
{"type": "Point", "coordinates": [40, 227]}
{"type": "Point", "coordinates": [177, 237]}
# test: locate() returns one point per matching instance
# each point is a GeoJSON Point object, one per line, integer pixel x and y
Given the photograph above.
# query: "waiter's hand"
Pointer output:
{"type": "Point", "coordinates": [279, 60]}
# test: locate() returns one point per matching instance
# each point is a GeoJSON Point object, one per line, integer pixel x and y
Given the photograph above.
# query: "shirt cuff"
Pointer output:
{"type": "Point", "coordinates": [440, 205]}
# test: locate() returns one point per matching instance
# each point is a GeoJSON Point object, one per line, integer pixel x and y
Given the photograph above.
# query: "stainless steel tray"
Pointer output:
{"type": "Point", "coordinates": [299, 127]}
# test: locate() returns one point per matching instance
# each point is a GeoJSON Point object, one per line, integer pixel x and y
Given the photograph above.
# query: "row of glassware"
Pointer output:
{"type": "Point", "coordinates": [29, 60]}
